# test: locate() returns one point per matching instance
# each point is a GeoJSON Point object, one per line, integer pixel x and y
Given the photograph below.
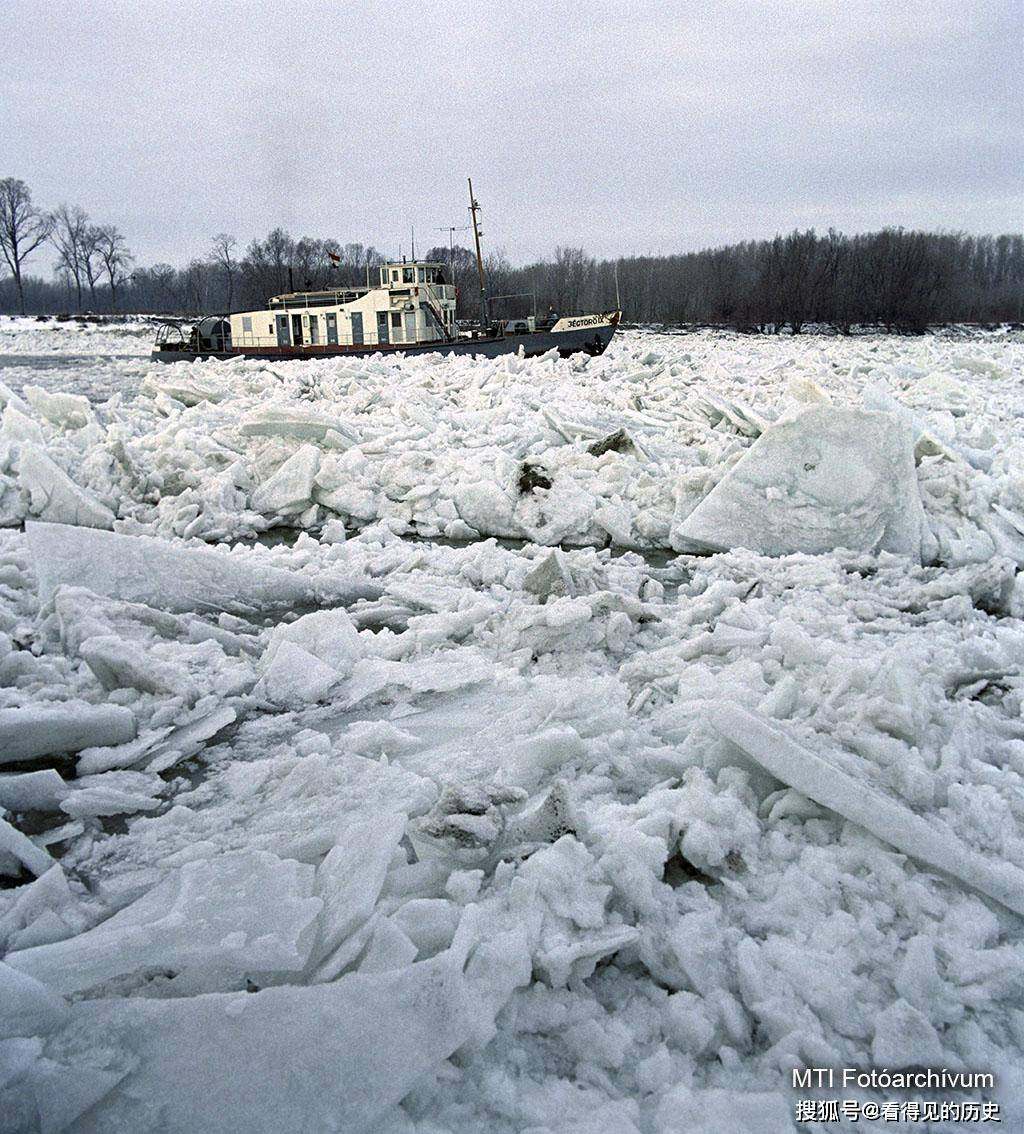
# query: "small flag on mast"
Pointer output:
{"type": "Point", "coordinates": [335, 258]}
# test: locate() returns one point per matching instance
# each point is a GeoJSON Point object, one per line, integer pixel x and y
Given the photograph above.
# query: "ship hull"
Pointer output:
{"type": "Point", "coordinates": [592, 340]}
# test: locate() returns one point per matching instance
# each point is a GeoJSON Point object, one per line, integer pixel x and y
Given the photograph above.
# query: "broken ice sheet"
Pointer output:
{"type": "Point", "coordinates": [219, 918]}
{"type": "Point", "coordinates": [43, 911]}
{"type": "Point", "coordinates": [349, 881]}
{"type": "Point", "coordinates": [33, 791]}
{"type": "Point", "coordinates": [345, 1052]}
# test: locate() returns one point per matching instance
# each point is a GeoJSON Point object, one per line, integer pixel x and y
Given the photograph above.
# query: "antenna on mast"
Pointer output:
{"type": "Point", "coordinates": [474, 208]}
{"type": "Point", "coordinates": [413, 227]}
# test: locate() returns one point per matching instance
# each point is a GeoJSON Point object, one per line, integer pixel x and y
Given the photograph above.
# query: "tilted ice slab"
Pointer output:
{"type": "Point", "coordinates": [21, 847]}
{"type": "Point", "coordinates": [829, 478]}
{"type": "Point", "coordinates": [928, 841]}
{"type": "Point", "coordinates": [236, 913]}
{"type": "Point", "coordinates": [290, 489]}
{"type": "Point", "coordinates": [27, 1008]}
{"type": "Point", "coordinates": [54, 496]}
{"type": "Point", "coordinates": [351, 876]}
{"type": "Point", "coordinates": [161, 574]}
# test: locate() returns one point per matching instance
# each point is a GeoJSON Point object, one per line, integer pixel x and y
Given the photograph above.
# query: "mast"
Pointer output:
{"type": "Point", "coordinates": [474, 208]}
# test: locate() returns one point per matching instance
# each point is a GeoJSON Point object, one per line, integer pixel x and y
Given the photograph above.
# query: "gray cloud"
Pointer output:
{"type": "Point", "coordinates": [623, 128]}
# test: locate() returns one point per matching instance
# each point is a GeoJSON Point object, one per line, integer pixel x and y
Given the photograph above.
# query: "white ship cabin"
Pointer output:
{"type": "Point", "coordinates": [413, 303]}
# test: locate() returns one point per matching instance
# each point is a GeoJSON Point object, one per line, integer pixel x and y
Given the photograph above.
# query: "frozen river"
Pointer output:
{"type": "Point", "coordinates": [503, 746]}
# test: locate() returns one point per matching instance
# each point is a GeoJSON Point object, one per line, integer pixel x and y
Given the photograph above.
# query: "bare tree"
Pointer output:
{"type": "Point", "coordinates": [92, 262]}
{"type": "Point", "coordinates": [165, 285]}
{"type": "Point", "coordinates": [70, 225]}
{"type": "Point", "coordinates": [223, 247]}
{"type": "Point", "coordinates": [23, 228]}
{"type": "Point", "coordinates": [112, 250]}
{"type": "Point", "coordinates": [196, 278]}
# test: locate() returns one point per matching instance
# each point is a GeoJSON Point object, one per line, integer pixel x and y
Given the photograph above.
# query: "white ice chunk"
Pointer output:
{"type": "Point", "coordinates": [329, 635]}
{"type": "Point", "coordinates": [19, 426]}
{"type": "Point", "coordinates": [67, 726]}
{"type": "Point", "coordinates": [350, 878]}
{"type": "Point", "coordinates": [295, 677]}
{"type": "Point", "coordinates": [389, 948]}
{"type": "Point", "coordinates": [578, 957]}
{"type": "Point", "coordinates": [290, 489]}
{"type": "Point", "coordinates": [929, 841]}
{"type": "Point", "coordinates": [103, 758]}
{"type": "Point", "coordinates": [27, 1007]}
{"type": "Point", "coordinates": [71, 411]}
{"type": "Point", "coordinates": [239, 912]}
{"type": "Point", "coordinates": [430, 923]}
{"type": "Point", "coordinates": [829, 478]}
{"type": "Point", "coordinates": [190, 389]}
{"type": "Point", "coordinates": [303, 425]}
{"type": "Point", "coordinates": [485, 506]}
{"type": "Point", "coordinates": [45, 910]}
{"type": "Point", "coordinates": [54, 496]}
{"type": "Point", "coordinates": [458, 669]}
{"type": "Point", "coordinates": [119, 664]}
{"type": "Point", "coordinates": [9, 398]}
{"type": "Point", "coordinates": [549, 576]}
{"type": "Point", "coordinates": [57, 1095]}
{"type": "Point", "coordinates": [159, 573]}
{"type": "Point", "coordinates": [112, 793]}
{"type": "Point", "coordinates": [904, 1037]}
{"type": "Point", "coordinates": [13, 842]}
{"type": "Point", "coordinates": [33, 791]}
{"type": "Point", "coordinates": [187, 738]}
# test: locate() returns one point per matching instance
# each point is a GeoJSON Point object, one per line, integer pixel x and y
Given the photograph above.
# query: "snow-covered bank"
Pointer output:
{"type": "Point", "coordinates": [378, 834]}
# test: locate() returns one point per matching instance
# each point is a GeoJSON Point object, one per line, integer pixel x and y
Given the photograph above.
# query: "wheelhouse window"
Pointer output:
{"type": "Point", "coordinates": [421, 275]}
{"type": "Point", "coordinates": [408, 275]}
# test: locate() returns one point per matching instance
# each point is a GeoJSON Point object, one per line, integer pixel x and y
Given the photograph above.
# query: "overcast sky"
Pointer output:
{"type": "Point", "coordinates": [620, 127]}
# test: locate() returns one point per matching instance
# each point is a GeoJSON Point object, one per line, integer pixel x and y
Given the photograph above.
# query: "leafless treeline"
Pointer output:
{"type": "Point", "coordinates": [893, 279]}
{"type": "Point", "coordinates": [92, 259]}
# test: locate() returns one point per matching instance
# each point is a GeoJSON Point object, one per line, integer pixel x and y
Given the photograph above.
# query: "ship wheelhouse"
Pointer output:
{"type": "Point", "coordinates": [413, 303]}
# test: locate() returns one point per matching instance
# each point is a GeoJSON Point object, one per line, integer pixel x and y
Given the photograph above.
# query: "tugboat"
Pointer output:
{"type": "Point", "coordinates": [410, 311]}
